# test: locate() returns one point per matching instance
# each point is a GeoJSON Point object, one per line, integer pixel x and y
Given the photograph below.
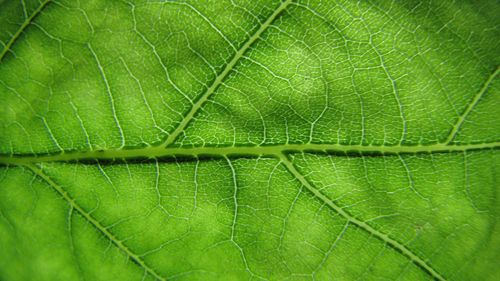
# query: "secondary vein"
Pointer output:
{"type": "Point", "coordinates": [361, 224]}
{"type": "Point", "coordinates": [22, 28]}
{"type": "Point", "coordinates": [227, 69]}
{"type": "Point", "coordinates": [59, 189]}
{"type": "Point", "coordinates": [471, 106]}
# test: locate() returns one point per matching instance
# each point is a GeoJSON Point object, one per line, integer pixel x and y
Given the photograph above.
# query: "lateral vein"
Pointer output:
{"type": "Point", "coordinates": [22, 28]}
{"type": "Point", "coordinates": [59, 189]}
{"type": "Point", "coordinates": [227, 69]}
{"type": "Point", "coordinates": [470, 107]}
{"type": "Point", "coordinates": [361, 224]}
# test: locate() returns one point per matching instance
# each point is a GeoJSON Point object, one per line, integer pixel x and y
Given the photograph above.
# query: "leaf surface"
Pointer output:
{"type": "Point", "coordinates": [261, 140]}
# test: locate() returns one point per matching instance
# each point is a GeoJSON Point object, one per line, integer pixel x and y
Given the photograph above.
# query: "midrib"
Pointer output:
{"type": "Point", "coordinates": [229, 151]}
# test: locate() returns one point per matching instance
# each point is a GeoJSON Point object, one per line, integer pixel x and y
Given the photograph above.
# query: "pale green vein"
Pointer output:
{"type": "Point", "coordinates": [273, 150]}
{"type": "Point", "coordinates": [470, 107]}
{"type": "Point", "coordinates": [110, 94]}
{"type": "Point", "coordinates": [363, 225]}
{"type": "Point", "coordinates": [220, 78]}
{"type": "Point", "coordinates": [23, 28]}
{"type": "Point", "coordinates": [73, 204]}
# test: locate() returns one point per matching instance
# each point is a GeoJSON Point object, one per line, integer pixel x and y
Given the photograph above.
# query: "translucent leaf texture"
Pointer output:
{"type": "Point", "coordinates": [249, 140]}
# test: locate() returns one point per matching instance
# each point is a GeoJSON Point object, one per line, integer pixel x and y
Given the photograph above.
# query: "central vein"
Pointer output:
{"type": "Point", "coordinates": [274, 150]}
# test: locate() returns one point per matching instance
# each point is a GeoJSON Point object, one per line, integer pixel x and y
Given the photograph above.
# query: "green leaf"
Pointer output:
{"type": "Point", "coordinates": [262, 140]}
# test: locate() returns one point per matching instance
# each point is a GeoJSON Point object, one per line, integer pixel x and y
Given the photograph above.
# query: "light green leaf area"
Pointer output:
{"type": "Point", "coordinates": [249, 140]}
